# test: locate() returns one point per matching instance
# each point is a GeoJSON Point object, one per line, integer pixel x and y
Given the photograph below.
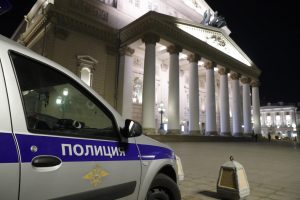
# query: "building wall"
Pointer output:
{"type": "Point", "coordinates": [63, 46]}
{"type": "Point", "coordinates": [282, 127]}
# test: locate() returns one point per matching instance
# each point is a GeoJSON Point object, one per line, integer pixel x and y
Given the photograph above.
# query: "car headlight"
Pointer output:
{"type": "Point", "coordinates": [179, 168]}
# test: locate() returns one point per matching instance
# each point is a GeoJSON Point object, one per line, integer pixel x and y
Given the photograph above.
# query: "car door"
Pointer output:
{"type": "Point", "coordinates": [9, 161]}
{"type": "Point", "coordinates": [71, 146]}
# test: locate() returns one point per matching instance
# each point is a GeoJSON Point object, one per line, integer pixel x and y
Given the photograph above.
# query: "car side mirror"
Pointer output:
{"type": "Point", "coordinates": [132, 128]}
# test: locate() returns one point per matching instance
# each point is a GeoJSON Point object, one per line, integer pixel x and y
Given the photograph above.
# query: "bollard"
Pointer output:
{"type": "Point", "coordinates": [232, 182]}
{"type": "Point", "coordinates": [179, 169]}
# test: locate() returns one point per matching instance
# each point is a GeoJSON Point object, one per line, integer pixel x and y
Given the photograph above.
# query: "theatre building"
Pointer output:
{"type": "Point", "coordinates": [168, 64]}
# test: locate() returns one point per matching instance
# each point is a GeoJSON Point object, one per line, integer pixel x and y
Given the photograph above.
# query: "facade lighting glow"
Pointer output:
{"type": "Point", "coordinates": [278, 120]}
{"type": "Point", "coordinates": [288, 120]}
{"type": "Point", "coordinates": [269, 121]}
{"type": "Point", "coordinates": [216, 40]}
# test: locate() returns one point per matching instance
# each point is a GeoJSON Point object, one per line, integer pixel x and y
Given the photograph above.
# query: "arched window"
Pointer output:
{"type": "Point", "coordinates": [86, 75]}
{"type": "Point", "coordinates": [86, 68]}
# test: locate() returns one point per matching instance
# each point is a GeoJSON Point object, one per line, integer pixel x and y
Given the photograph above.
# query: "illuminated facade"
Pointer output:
{"type": "Point", "coordinates": [138, 60]}
{"type": "Point", "coordinates": [279, 120]}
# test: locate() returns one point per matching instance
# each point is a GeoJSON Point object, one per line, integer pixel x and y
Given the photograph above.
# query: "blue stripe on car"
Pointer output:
{"type": "Point", "coordinates": [52, 145]}
{"type": "Point", "coordinates": [8, 151]}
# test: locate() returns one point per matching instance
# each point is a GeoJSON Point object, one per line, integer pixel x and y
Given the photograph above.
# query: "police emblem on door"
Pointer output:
{"type": "Point", "coordinates": [95, 176]}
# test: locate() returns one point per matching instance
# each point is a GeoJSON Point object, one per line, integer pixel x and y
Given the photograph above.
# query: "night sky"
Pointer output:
{"type": "Point", "coordinates": [266, 30]}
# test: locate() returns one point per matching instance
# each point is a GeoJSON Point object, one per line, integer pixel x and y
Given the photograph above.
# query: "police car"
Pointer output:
{"type": "Point", "coordinates": [60, 140]}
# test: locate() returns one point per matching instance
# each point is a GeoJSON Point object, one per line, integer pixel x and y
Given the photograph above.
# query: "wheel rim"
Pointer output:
{"type": "Point", "coordinates": [158, 194]}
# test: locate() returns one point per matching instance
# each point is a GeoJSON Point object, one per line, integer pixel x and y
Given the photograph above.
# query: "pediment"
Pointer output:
{"type": "Point", "coordinates": [216, 39]}
{"type": "Point", "coordinates": [87, 59]}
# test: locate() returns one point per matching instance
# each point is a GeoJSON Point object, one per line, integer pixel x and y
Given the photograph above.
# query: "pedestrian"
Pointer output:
{"type": "Point", "coordinates": [269, 137]}
{"type": "Point", "coordinates": [256, 137]}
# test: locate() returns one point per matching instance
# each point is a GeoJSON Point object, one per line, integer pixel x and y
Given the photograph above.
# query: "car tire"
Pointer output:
{"type": "Point", "coordinates": [163, 188]}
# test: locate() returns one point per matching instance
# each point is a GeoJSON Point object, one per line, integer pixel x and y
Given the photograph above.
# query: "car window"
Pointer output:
{"type": "Point", "coordinates": [56, 104]}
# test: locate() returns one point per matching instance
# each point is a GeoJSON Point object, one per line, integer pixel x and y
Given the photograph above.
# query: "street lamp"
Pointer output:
{"type": "Point", "coordinates": [161, 111]}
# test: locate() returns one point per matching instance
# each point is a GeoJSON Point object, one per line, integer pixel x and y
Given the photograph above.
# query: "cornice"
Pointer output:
{"type": "Point", "coordinates": [66, 20]}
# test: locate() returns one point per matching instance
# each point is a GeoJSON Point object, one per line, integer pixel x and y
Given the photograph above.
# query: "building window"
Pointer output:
{"type": "Point", "coordinates": [86, 75]}
{"type": "Point", "coordinates": [269, 120]}
{"type": "Point", "coordinates": [86, 67]}
{"type": "Point", "coordinates": [137, 90]}
{"type": "Point", "coordinates": [278, 120]}
{"type": "Point", "coordinates": [288, 120]}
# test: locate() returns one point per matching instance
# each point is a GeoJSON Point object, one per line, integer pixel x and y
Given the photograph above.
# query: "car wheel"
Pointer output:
{"type": "Point", "coordinates": [163, 188]}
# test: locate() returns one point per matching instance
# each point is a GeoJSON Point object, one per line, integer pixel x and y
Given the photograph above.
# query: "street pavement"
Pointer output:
{"type": "Point", "coordinates": [273, 169]}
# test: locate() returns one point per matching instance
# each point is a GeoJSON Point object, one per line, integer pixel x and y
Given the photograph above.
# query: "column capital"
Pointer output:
{"type": "Point", "coordinates": [174, 49]}
{"type": "Point", "coordinates": [210, 65]}
{"type": "Point", "coordinates": [223, 70]}
{"type": "Point", "coordinates": [193, 58]}
{"type": "Point", "coordinates": [255, 83]}
{"type": "Point", "coordinates": [126, 51]}
{"type": "Point", "coordinates": [234, 75]}
{"type": "Point", "coordinates": [245, 80]}
{"type": "Point", "coordinates": [150, 38]}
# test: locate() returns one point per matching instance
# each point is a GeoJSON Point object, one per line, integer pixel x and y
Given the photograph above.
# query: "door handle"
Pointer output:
{"type": "Point", "coordinates": [46, 161]}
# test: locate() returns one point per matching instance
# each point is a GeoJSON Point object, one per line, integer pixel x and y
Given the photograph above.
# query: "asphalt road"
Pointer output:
{"type": "Point", "coordinates": [273, 169]}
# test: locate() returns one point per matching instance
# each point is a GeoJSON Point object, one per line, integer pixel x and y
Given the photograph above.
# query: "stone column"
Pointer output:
{"type": "Point", "coordinates": [246, 105]}
{"type": "Point", "coordinates": [236, 105]}
{"type": "Point", "coordinates": [194, 94]}
{"type": "Point", "coordinates": [173, 99]}
{"type": "Point", "coordinates": [125, 82]}
{"type": "Point", "coordinates": [150, 41]}
{"type": "Point", "coordinates": [256, 107]}
{"type": "Point", "coordinates": [224, 102]}
{"type": "Point", "coordinates": [210, 101]}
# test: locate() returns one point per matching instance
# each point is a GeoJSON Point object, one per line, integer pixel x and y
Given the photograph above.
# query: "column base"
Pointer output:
{"type": "Point", "coordinates": [161, 132]}
{"type": "Point", "coordinates": [195, 132]}
{"type": "Point", "coordinates": [225, 134]}
{"type": "Point", "coordinates": [173, 132]}
{"type": "Point", "coordinates": [237, 134]}
{"type": "Point", "coordinates": [149, 131]}
{"type": "Point", "coordinates": [211, 133]}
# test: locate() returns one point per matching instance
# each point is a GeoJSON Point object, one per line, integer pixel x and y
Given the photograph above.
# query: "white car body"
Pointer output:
{"type": "Point", "coordinates": [45, 157]}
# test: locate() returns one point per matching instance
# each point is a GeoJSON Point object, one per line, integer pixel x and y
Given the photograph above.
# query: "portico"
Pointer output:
{"type": "Point", "coordinates": [186, 66]}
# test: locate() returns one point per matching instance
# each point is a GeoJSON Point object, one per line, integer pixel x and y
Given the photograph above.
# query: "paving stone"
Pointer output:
{"type": "Point", "coordinates": [272, 169]}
